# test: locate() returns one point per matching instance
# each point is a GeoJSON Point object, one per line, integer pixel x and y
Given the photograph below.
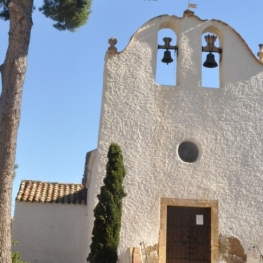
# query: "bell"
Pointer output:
{"type": "Point", "coordinates": [210, 61]}
{"type": "Point", "coordinates": [167, 57]}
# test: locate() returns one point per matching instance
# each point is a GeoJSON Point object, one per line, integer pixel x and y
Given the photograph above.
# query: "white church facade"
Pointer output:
{"type": "Point", "coordinates": [193, 154]}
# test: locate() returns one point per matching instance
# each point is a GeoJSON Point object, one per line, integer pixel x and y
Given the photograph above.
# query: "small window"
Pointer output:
{"type": "Point", "coordinates": [166, 74]}
{"type": "Point", "coordinates": [188, 152]}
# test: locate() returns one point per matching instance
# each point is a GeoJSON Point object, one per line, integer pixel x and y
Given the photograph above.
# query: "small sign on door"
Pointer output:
{"type": "Point", "coordinates": [199, 219]}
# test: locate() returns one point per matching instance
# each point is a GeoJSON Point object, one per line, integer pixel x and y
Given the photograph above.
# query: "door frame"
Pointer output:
{"type": "Point", "coordinates": [212, 204]}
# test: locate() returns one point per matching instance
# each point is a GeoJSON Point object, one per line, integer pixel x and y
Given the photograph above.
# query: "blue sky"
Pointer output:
{"type": "Point", "coordinates": [63, 87]}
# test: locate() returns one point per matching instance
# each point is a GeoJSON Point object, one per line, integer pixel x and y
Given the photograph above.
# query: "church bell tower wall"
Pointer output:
{"type": "Point", "coordinates": [150, 122]}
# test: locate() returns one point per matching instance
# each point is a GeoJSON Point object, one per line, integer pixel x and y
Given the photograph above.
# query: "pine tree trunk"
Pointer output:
{"type": "Point", "coordinates": [13, 74]}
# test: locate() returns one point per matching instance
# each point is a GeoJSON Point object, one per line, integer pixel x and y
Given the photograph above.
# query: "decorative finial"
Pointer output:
{"type": "Point", "coordinates": [260, 53]}
{"type": "Point", "coordinates": [188, 12]}
{"type": "Point", "coordinates": [112, 41]}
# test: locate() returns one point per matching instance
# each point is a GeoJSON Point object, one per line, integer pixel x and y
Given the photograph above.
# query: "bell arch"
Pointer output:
{"type": "Point", "coordinates": [211, 57]}
{"type": "Point", "coordinates": [166, 59]}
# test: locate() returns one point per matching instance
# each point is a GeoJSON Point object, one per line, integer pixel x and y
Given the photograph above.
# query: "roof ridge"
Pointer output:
{"type": "Point", "coordinates": [39, 181]}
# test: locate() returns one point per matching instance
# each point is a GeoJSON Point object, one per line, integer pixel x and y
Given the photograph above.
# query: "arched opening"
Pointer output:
{"type": "Point", "coordinates": [210, 61]}
{"type": "Point", "coordinates": [166, 73]}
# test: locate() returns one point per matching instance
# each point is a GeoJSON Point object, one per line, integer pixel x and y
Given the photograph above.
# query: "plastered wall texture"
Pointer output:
{"type": "Point", "coordinates": [50, 232]}
{"type": "Point", "coordinates": [149, 121]}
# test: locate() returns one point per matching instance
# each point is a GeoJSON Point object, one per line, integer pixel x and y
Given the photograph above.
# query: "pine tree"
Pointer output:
{"type": "Point", "coordinates": [107, 213]}
{"type": "Point", "coordinates": [68, 15]}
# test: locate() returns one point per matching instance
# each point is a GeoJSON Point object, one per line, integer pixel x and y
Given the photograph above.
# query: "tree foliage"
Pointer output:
{"type": "Point", "coordinates": [68, 14]}
{"type": "Point", "coordinates": [4, 10]}
{"type": "Point", "coordinates": [14, 175]}
{"type": "Point", "coordinates": [107, 213]}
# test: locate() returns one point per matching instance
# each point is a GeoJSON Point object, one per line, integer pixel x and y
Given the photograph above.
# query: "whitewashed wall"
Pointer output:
{"type": "Point", "coordinates": [50, 233]}
{"type": "Point", "coordinates": [149, 121]}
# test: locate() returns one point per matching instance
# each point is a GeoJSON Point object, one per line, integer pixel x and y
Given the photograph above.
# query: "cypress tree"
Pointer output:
{"type": "Point", "coordinates": [107, 213]}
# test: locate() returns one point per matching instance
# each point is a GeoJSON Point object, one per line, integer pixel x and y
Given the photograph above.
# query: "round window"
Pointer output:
{"type": "Point", "coordinates": [188, 152]}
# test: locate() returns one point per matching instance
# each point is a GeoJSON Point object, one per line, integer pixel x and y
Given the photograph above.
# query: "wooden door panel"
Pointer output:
{"type": "Point", "coordinates": [188, 235]}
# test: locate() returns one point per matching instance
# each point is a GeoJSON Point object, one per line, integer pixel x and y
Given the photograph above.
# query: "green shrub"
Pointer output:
{"type": "Point", "coordinates": [16, 257]}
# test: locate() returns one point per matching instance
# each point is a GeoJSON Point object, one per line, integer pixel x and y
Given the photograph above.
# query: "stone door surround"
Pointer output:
{"type": "Point", "coordinates": [213, 204]}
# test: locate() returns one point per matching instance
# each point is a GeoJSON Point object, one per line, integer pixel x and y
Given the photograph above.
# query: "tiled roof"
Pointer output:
{"type": "Point", "coordinates": [44, 192]}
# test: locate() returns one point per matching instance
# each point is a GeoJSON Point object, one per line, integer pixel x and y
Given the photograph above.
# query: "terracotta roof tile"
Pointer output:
{"type": "Point", "coordinates": [44, 192]}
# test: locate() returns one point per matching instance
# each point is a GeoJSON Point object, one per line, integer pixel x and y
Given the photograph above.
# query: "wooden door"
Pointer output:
{"type": "Point", "coordinates": [188, 238]}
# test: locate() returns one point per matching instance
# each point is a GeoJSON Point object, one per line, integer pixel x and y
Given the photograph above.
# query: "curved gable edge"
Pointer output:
{"type": "Point", "coordinates": [166, 18]}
